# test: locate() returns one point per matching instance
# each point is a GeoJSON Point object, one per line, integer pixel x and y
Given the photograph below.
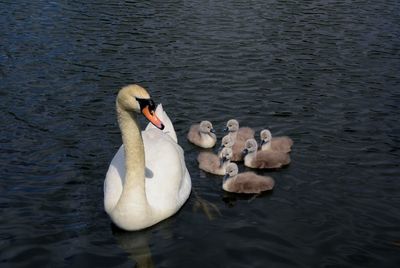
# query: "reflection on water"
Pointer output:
{"type": "Point", "coordinates": [230, 199]}
{"type": "Point", "coordinates": [136, 244]}
{"type": "Point", "coordinates": [208, 208]}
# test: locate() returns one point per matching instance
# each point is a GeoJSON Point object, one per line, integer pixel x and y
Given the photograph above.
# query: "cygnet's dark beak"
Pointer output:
{"type": "Point", "coordinates": [222, 161]}
{"type": "Point", "coordinates": [245, 151]}
{"type": "Point", "coordinates": [212, 130]}
{"type": "Point", "coordinates": [262, 142]}
{"type": "Point", "coordinates": [226, 129]}
{"type": "Point", "coordinates": [226, 176]}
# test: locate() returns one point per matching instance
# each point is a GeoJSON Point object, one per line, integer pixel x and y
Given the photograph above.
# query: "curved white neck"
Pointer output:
{"type": "Point", "coordinates": [134, 157]}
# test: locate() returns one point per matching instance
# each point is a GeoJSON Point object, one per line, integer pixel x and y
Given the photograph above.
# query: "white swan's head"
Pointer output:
{"type": "Point", "coordinates": [231, 171]}
{"type": "Point", "coordinates": [250, 146]}
{"type": "Point", "coordinates": [206, 127]}
{"type": "Point", "coordinates": [134, 98]}
{"type": "Point", "coordinates": [265, 136]}
{"type": "Point", "coordinates": [232, 125]}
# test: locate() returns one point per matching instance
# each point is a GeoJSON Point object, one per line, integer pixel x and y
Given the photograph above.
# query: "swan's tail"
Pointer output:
{"type": "Point", "coordinates": [169, 128]}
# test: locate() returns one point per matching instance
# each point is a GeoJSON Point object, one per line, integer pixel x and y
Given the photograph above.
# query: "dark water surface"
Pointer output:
{"type": "Point", "coordinates": [325, 73]}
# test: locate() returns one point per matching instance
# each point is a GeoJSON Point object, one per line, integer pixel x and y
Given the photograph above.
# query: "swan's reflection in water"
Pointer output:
{"type": "Point", "coordinates": [136, 244]}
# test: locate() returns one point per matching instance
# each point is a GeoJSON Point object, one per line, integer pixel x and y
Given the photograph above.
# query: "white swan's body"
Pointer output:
{"type": "Point", "coordinates": [167, 182]}
{"type": "Point", "coordinates": [159, 188]}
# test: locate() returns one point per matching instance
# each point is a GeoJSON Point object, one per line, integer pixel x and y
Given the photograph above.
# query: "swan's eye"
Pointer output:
{"type": "Point", "coordinates": [152, 105]}
{"type": "Point", "coordinates": [146, 102]}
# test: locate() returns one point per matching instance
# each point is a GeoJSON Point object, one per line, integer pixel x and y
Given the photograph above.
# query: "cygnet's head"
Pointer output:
{"type": "Point", "coordinates": [265, 136]}
{"type": "Point", "coordinates": [250, 146]}
{"type": "Point", "coordinates": [226, 153]}
{"type": "Point", "coordinates": [231, 170]}
{"type": "Point", "coordinates": [232, 125]}
{"type": "Point", "coordinates": [225, 156]}
{"type": "Point", "coordinates": [134, 98]}
{"type": "Point", "coordinates": [206, 127]}
{"type": "Point", "coordinates": [227, 142]}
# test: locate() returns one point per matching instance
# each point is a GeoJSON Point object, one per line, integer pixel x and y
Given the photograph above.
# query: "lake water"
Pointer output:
{"type": "Point", "coordinates": [325, 73]}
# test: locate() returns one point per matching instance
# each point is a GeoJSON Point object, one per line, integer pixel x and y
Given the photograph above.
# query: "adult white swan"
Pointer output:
{"type": "Point", "coordinates": [147, 180]}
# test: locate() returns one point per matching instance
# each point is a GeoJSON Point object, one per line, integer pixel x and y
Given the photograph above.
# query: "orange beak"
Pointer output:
{"type": "Point", "coordinates": [151, 116]}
